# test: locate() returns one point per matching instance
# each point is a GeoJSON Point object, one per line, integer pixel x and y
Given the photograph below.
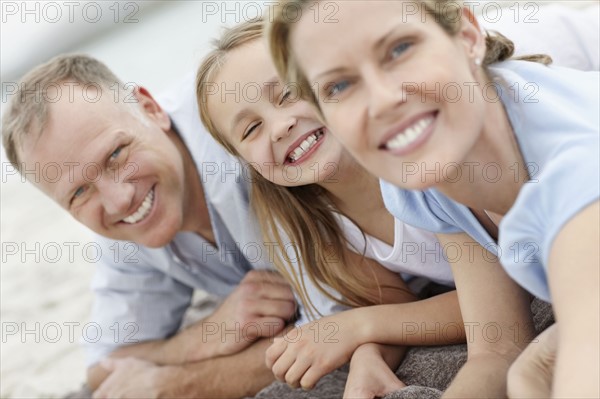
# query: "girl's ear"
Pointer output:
{"type": "Point", "coordinates": [472, 36]}
{"type": "Point", "coordinates": [151, 108]}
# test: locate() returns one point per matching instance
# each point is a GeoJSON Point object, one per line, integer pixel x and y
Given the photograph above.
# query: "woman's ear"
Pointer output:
{"type": "Point", "coordinates": [472, 36]}
{"type": "Point", "coordinates": [151, 108]}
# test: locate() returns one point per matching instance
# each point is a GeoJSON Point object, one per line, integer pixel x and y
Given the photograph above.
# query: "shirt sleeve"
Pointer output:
{"type": "Point", "coordinates": [567, 186]}
{"type": "Point", "coordinates": [134, 299]}
{"type": "Point", "coordinates": [426, 210]}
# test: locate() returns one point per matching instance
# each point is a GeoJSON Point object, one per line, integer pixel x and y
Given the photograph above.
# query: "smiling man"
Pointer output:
{"type": "Point", "coordinates": [136, 172]}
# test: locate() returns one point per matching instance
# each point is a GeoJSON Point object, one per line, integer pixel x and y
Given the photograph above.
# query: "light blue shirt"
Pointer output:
{"type": "Point", "coordinates": [142, 293]}
{"type": "Point", "coordinates": [557, 126]}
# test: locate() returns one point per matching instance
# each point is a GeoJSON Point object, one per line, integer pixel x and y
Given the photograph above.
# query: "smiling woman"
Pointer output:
{"type": "Point", "coordinates": [388, 92]}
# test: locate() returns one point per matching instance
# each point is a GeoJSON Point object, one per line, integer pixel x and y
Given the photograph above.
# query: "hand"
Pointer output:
{"type": "Point", "coordinates": [531, 374]}
{"type": "Point", "coordinates": [305, 354]}
{"type": "Point", "coordinates": [129, 378]}
{"type": "Point", "coordinates": [261, 306]}
{"type": "Point", "coordinates": [370, 376]}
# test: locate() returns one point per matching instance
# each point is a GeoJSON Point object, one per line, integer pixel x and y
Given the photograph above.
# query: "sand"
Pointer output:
{"type": "Point", "coordinates": [45, 295]}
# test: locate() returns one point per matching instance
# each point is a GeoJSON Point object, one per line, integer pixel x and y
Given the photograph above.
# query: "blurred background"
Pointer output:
{"type": "Point", "coordinates": [47, 258]}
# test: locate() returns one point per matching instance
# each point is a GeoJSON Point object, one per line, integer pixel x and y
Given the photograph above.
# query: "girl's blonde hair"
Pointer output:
{"type": "Point", "coordinates": [304, 214]}
{"type": "Point", "coordinates": [498, 47]}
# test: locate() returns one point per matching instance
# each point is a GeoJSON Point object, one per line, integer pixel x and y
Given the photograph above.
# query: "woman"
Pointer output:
{"type": "Point", "coordinates": [424, 101]}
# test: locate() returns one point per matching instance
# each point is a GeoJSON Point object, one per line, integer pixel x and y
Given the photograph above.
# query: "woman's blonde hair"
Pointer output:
{"type": "Point", "coordinates": [303, 214]}
{"type": "Point", "coordinates": [498, 47]}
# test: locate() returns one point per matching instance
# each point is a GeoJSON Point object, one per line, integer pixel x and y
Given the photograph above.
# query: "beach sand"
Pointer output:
{"type": "Point", "coordinates": [45, 295]}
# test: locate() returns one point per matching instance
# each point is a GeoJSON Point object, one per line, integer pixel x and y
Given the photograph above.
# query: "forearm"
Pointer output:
{"type": "Point", "coordinates": [433, 321]}
{"type": "Point", "coordinates": [481, 377]}
{"type": "Point", "coordinates": [577, 361]}
{"type": "Point", "coordinates": [209, 378]}
{"type": "Point", "coordinates": [391, 354]}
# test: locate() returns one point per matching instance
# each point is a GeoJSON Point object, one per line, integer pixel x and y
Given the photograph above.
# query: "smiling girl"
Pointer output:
{"type": "Point", "coordinates": [429, 103]}
{"type": "Point", "coordinates": [308, 191]}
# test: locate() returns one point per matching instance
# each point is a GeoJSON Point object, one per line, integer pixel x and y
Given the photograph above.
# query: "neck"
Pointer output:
{"type": "Point", "coordinates": [352, 189]}
{"type": "Point", "coordinates": [196, 218]}
{"type": "Point", "coordinates": [494, 170]}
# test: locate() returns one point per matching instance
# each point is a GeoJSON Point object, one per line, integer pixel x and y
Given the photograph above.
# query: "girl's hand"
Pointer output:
{"type": "Point", "coordinates": [370, 375]}
{"type": "Point", "coordinates": [303, 355]}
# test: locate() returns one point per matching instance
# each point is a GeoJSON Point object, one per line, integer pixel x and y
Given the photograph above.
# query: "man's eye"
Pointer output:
{"type": "Point", "coordinates": [250, 130]}
{"type": "Point", "coordinates": [115, 154]}
{"type": "Point", "coordinates": [78, 193]}
{"type": "Point", "coordinates": [399, 49]}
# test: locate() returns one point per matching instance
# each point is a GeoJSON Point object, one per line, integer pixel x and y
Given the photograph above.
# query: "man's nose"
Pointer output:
{"type": "Point", "coordinates": [116, 196]}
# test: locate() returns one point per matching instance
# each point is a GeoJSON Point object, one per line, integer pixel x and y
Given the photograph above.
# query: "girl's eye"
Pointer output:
{"type": "Point", "coordinates": [284, 97]}
{"type": "Point", "coordinates": [397, 50]}
{"type": "Point", "coordinates": [334, 89]}
{"type": "Point", "coordinates": [250, 130]}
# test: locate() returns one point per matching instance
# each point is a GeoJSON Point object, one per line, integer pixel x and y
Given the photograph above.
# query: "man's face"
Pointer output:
{"type": "Point", "coordinates": [117, 172]}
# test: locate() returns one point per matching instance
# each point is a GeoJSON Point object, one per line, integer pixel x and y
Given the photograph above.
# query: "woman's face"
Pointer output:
{"type": "Point", "coordinates": [278, 134]}
{"type": "Point", "coordinates": [397, 91]}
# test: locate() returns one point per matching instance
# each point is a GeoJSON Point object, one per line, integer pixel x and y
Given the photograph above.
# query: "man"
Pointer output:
{"type": "Point", "coordinates": [133, 171]}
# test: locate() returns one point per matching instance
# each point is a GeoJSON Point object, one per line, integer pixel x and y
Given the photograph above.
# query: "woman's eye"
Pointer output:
{"type": "Point", "coordinates": [397, 50]}
{"type": "Point", "coordinates": [249, 131]}
{"type": "Point", "coordinates": [336, 88]}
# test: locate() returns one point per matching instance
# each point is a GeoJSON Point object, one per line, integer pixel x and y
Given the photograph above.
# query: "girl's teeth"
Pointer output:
{"type": "Point", "coordinates": [142, 211]}
{"type": "Point", "coordinates": [409, 135]}
{"type": "Point", "coordinates": [306, 145]}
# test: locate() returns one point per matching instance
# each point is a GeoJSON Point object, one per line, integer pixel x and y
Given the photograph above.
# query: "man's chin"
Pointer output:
{"type": "Point", "coordinates": [150, 239]}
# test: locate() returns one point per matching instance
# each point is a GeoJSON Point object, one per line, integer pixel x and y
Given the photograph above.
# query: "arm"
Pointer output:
{"type": "Point", "coordinates": [303, 355]}
{"type": "Point", "coordinates": [262, 300]}
{"type": "Point", "coordinates": [573, 274]}
{"type": "Point", "coordinates": [497, 318]}
{"type": "Point", "coordinates": [372, 371]}
{"type": "Point", "coordinates": [133, 378]}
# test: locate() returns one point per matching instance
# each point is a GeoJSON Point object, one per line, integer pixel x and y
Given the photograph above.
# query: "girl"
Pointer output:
{"type": "Point", "coordinates": [298, 199]}
{"type": "Point", "coordinates": [424, 101]}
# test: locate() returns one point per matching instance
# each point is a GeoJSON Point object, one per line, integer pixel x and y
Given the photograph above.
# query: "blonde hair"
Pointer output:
{"type": "Point", "coordinates": [305, 214]}
{"type": "Point", "coordinates": [27, 111]}
{"type": "Point", "coordinates": [498, 47]}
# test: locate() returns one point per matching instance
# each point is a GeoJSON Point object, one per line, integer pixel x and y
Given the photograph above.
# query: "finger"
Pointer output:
{"type": "Point", "coordinates": [265, 327]}
{"type": "Point", "coordinates": [311, 377]}
{"type": "Point", "coordinates": [282, 365]}
{"type": "Point", "coordinates": [275, 351]}
{"type": "Point", "coordinates": [295, 372]}
{"type": "Point", "coordinates": [277, 291]}
{"type": "Point", "coordinates": [264, 276]}
{"type": "Point", "coordinates": [271, 308]}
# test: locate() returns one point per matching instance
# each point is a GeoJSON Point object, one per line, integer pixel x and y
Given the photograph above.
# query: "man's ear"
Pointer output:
{"type": "Point", "coordinates": [151, 108]}
{"type": "Point", "coordinates": [472, 35]}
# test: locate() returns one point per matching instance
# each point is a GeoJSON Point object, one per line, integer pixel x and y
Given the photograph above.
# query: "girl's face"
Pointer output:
{"type": "Point", "coordinates": [268, 125]}
{"type": "Point", "coordinates": [399, 93]}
